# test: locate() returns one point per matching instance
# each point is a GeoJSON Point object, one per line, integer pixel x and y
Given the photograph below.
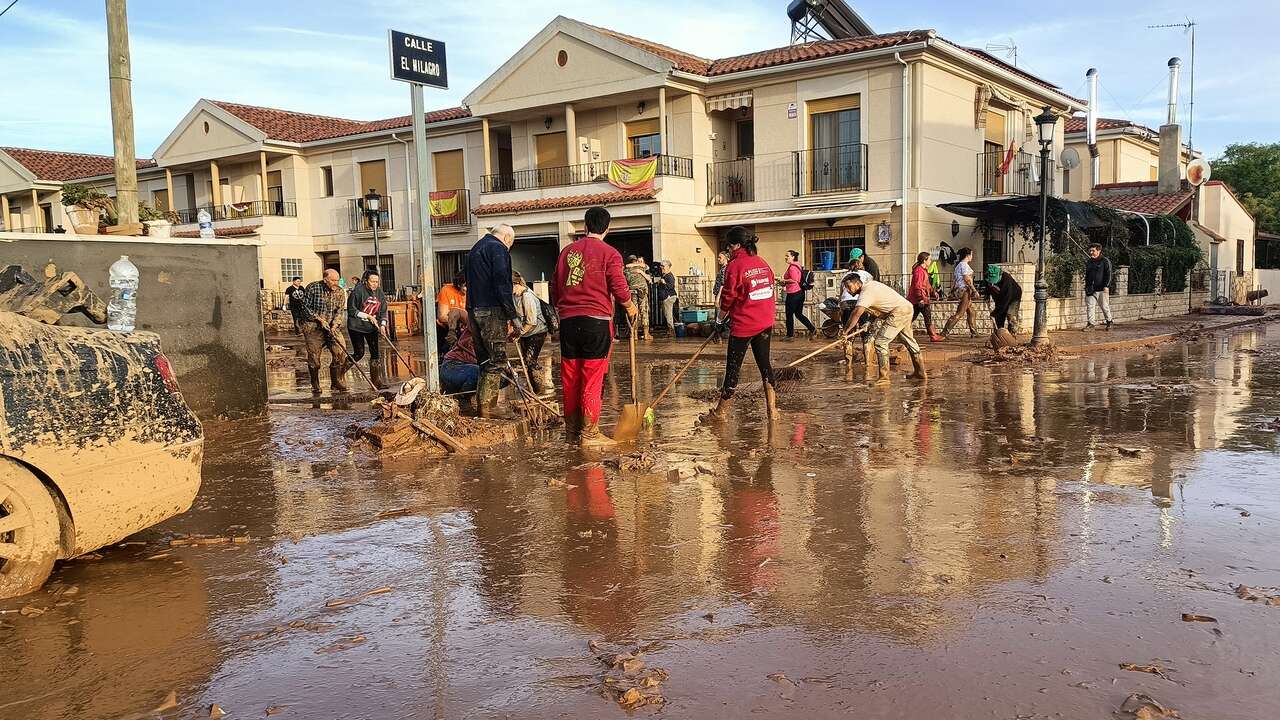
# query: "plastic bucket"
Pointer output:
{"type": "Point", "coordinates": [826, 260]}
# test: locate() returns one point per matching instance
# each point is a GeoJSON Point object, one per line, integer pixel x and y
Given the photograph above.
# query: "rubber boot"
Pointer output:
{"type": "Point", "coordinates": [335, 379]}
{"type": "Point", "coordinates": [934, 336]}
{"type": "Point", "coordinates": [377, 374]}
{"type": "Point", "coordinates": [315, 380]}
{"type": "Point", "coordinates": [487, 394]}
{"type": "Point", "coordinates": [883, 378]}
{"type": "Point", "coordinates": [719, 412]}
{"type": "Point", "coordinates": [869, 360]}
{"type": "Point", "coordinates": [917, 368]}
{"type": "Point", "coordinates": [947, 326]}
{"type": "Point", "coordinates": [770, 402]}
{"type": "Point", "coordinates": [592, 438]}
{"type": "Point", "coordinates": [572, 427]}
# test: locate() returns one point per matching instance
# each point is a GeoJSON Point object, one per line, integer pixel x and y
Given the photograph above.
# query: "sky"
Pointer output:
{"type": "Point", "coordinates": [330, 58]}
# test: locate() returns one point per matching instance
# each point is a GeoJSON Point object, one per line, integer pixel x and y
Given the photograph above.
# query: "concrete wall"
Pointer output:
{"type": "Point", "coordinates": [201, 299]}
{"type": "Point", "coordinates": [1268, 280]}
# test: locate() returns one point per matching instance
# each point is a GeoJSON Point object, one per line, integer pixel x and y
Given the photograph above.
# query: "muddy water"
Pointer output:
{"type": "Point", "coordinates": [976, 548]}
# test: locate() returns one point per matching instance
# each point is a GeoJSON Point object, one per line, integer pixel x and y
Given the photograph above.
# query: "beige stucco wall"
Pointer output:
{"type": "Point", "coordinates": [1223, 214]}
{"type": "Point", "coordinates": [194, 143]}
{"type": "Point", "coordinates": [589, 71]}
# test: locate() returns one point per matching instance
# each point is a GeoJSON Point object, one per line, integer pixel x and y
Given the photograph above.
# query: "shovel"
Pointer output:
{"type": "Point", "coordinates": [632, 416]}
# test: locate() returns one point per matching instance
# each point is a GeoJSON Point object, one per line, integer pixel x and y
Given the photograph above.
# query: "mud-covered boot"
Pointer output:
{"type": "Point", "coordinates": [378, 375]}
{"type": "Point", "coordinates": [719, 412]}
{"type": "Point", "coordinates": [770, 402]}
{"type": "Point", "coordinates": [487, 395]}
{"type": "Point", "coordinates": [917, 368]}
{"type": "Point", "coordinates": [869, 362]}
{"type": "Point", "coordinates": [335, 379]}
{"type": "Point", "coordinates": [592, 438]}
{"type": "Point", "coordinates": [946, 328]}
{"type": "Point", "coordinates": [883, 378]}
{"type": "Point", "coordinates": [572, 426]}
{"type": "Point", "coordinates": [315, 380]}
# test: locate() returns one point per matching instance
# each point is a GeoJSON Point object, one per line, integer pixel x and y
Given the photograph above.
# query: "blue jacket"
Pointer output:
{"type": "Point", "coordinates": [489, 277]}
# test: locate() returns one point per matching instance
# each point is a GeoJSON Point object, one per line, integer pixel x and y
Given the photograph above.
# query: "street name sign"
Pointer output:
{"type": "Point", "coordinates": [418, 60]}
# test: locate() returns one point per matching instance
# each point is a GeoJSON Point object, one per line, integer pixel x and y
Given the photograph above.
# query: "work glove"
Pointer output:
{"type": "Point", "coordinates": [632, 310]}
{"type": "Point", "coordinates": [365, 316]}
{"type": "Point", "coordinates": [721, 324]}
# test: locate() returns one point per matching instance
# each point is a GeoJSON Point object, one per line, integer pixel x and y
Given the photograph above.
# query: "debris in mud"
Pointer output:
{"type": "Point", "coordinates": [275, 710]}
{"type": "Point", "coordinates": [209, 541]}
{"type": "Point", "coordinates": [1272, 425]}
{"type": "Point", "coordinates": [398, 512]}
{"type": "Point", "coordinates": [635, 461]}
{"type": "Point", "coordinates": [1188, 617]}
{"type": "Point", "coordinates": [1129, 452]}
{"type": "Point", "coordinates": [344, 602]}
{"type": "Point", "coordinates": [1016, 353]}
{"type": "Point", "coordinates": [293, 625]}
{"type": "Point", "coordinates": [1140, 706]}
{"type": "Point", "coordinates": [1237, 508]}
{"type": "Point", "coordinates": [1253, 594]}
{"type": "Point", "coordinates": [1149, 669]}
{"type": "Point", "coordinates": [31, 611]}
{"type": "Point", "coordinates": [629, 681]}
{"type": "Point", "coordinates": [216, 711]}
{"type": "Point", "coordinates": [344, 644]}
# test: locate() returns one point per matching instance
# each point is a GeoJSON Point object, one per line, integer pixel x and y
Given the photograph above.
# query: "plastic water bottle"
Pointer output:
{"type": "Point", "coordinates": [205, 221]}
{"type": "Point", "coordinates": [123, 307]}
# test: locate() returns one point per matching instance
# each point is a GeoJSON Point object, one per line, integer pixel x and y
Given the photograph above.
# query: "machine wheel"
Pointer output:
{"type": "Point", "coordinates": [831, 329]}
{"type": "Point", "coordinates": [29, 532]}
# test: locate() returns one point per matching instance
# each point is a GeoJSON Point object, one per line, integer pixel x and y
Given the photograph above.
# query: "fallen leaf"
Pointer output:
{"type": "Point", "coordinates": [216, 711]}
{"type": "Point", "coordinates": [1150, 669]}
{"type": "Point", "coordinates": [392, 513]}
{"type": "Point", "coordinates": [631, 698]}
{"type": "Point", "coordinates": [343, 644]}
{"type": "Point", "coordinates": [170, 702]}
{"type": "Point", "coordinates": [276, 709]}
{"type": "Point", "coordinates": [1188, 617]}
{"type": "Point", "coordinates": [341, 602]}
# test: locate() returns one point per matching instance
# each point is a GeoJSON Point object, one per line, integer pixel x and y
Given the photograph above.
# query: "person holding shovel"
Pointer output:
{"type": "Point", "coordinates": [894, 314]}
{"type": "Point", "coordinates": [325, 307]}
{"type": "Point", "coordinates": [587, 281]}
{"type": "Point", "coordinates": [532, 330]}
{"type": "Point", "coordinates": [747, 303]}
{"type": "Point", "coordinates": [366, 321]}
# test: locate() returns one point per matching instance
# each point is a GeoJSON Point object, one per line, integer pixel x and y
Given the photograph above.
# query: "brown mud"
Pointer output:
{"type": "Point", "coordinates": [977, 546]}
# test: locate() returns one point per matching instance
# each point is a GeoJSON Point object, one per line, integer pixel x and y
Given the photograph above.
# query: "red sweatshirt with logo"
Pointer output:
{"type": "Point", "coordinates": [747, 296]}
{"type": "Point", "coordinates": [588, 279]}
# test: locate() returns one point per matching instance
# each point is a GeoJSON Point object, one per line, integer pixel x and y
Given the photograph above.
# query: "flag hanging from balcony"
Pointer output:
{"type": "Point", "coordinates": [1008, 159]}
{"type": "Point", "coordinates": [444, 203]}
{"type": "Point", "coordinates": [637, 174]}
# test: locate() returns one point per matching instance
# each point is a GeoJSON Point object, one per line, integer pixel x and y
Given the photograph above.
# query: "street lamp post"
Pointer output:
{"type": "Point", "coordinates": [1046, 121]}
{"type": "Point", "coordinates": [373, 206]}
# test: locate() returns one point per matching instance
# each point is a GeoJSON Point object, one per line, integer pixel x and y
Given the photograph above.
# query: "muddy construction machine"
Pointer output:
{"type": "Point", "coordinates": [96, 442]}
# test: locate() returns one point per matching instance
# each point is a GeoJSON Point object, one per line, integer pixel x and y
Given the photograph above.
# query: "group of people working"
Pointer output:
{"type": "Point", "coordinates": [326, 315]}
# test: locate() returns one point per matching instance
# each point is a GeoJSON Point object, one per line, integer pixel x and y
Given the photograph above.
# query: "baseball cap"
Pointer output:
{"type": "Point", "coordinates": [855, 253]}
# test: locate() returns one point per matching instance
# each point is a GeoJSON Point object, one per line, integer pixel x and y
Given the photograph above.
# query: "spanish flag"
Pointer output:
{"type": "Point", "coordinates": [444, 204]}
{"type": "Point", "coordinates": [637, 174]}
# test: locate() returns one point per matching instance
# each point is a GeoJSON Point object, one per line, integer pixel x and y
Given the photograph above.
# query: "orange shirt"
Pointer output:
{"type": "Point", "coordinates": [449, 298]}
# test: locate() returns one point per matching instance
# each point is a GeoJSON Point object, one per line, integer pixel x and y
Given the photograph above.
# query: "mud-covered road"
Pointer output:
{"type": "Point", "coordinates": [997, 544]}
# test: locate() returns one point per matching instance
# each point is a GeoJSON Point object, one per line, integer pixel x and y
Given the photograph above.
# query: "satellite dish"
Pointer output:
{"type": "Point", "coordinates": [1070, 159]}
{"type": "Point", "coordinates": [1198, 171]}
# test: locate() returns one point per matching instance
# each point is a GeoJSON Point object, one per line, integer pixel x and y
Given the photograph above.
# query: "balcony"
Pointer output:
{"type": "Point", "coordinates": [582, 174]}
{"type": "Point", "coordinates": [836, 169]}
{"type": "Point", "coordinates": [361, 221]}
{"type": "Point", "coordinates": [451, 210]}
{"type": "Point", "coordinates": [1017, 178]}
{"type": "Point", "coordinates": [236, 211]}
{"type": "Point", "coordinates": [731, 181]}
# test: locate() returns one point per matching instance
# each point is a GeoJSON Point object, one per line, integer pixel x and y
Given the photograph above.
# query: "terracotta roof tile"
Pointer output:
{"type": "Point", "coordinates": [621, 196]}
{"type": "Point", "coordinates": [1139, 197]}
{"type": "Point", "coordinates": [58, 166]}
{"type": "Point", "coordinates": [290, 126]}
{"type": "Point", "coordinates": [687, 62]}
{"type": "Point", "coordinates": [232, 231]}
{"type": "Point", "coordinates": [1079, 123]}
{"type": "Point", "coordinates": [1017, 71]}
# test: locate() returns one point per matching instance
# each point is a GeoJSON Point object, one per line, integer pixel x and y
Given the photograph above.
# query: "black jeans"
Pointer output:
{"type": "Point", "coordinates": [759, 345]}
{"type": "Point", "coordinates": [923, 309]}
{"type": "Point", "coordinates": [359, 340]}
{"type": "Point", "coordinates": [489, 331]}
{"type": "Point", "coordinates": [531, 347]}
{"type": "Point", "coordinates": [795, 309]}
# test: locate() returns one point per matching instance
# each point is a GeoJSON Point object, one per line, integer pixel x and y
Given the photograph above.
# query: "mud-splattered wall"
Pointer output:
{"type": "Point", "coordinates": [201, 299]}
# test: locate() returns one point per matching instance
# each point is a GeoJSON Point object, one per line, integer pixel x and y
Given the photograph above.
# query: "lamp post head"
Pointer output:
{"type": "Point", "coordinates": [372, 201]}
{"type": "Point", "coordinates": [1046, 122]}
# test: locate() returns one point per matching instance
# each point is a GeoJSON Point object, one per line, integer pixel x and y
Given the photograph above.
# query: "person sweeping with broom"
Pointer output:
{"type": "Point", "coordinates": [894, 322]}
{"type": "Point", "coordinates": [748, 306]}
{"type": "Point", "coordinates": [587, 280]}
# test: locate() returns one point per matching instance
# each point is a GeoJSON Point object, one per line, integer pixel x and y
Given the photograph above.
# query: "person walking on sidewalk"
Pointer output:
{"type": "Point", "coordinates": [1097, 287]}
{"type": "Point", "coordinates": [294, 292]}
{"type": "Point", "coordinates": [587, 281]}
{"type": "Point", "coordinates": [1007, 294]}
{"type": "Point", "coordinates": [325, 307]}
{"type": "Point", "coordinates": [793, 283]}
{"type": "Point", "coordinates": [638, 279]}
{"type": "Point", "coordinates": [894, 313]}
{"type": "Point", "coordinates": [532, 329]}
{"type": "Point", "coordinates": [964, 291]}
{"type": "Point", "coordinates": [366, 321]}
{"type": "Point", "coordinates": [666, 286]}
{"type": "Point", "coordinates": [747, 302]}
{"type": "Point", "coordinates": [491, 310]}
{"type": "Point", "coordinates": [920, 295]}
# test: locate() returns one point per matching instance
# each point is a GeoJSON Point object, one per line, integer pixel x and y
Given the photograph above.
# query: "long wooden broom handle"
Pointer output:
{"type": "Point", "coordinates": [828, 346]}
{"type": "Point", "coordinates": [680, 374]}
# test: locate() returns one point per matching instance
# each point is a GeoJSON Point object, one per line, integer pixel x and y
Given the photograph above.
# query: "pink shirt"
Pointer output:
{"type": "Point", "coordinates": [792, 276]}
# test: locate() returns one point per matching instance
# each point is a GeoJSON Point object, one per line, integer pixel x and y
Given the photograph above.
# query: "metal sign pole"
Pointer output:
{"type": "Point", "coordinates": [429, 309]}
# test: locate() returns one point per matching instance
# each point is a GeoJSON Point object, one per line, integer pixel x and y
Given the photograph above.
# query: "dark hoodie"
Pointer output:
{"type": "Point", "coordinates": [372, 302]}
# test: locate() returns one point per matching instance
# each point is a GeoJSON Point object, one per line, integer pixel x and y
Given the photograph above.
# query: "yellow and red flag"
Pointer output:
{"type": "Point", "coordinates": [444, 203]}
{"type": "Point", "coordinates": [636, 174]}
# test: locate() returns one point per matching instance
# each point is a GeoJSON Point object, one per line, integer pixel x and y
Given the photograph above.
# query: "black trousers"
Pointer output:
{"type": "Point", "coordinates": [795, 310]}
{"type": "Point", "coordinates": [759, 345]}
{"type": "Point", "coordinates": [923, 309]}
{"type": "Point", "coordinates": [584, 338]}
{"type": "Point", "coordinates": [531, 347]}
{"type": "Point", "coordinates": [359, 340]}
{"type": "Point", "coordinates": [489, 331]}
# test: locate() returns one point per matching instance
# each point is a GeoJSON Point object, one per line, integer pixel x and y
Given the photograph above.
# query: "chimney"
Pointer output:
{"type": "Point", "coordinates": [1091, 132]}
{"type": "Point", "coordinates": [1170, 177]}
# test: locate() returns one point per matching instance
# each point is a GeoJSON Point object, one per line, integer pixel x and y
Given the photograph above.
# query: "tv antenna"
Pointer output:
{"type": "Point", "coordinates": [1010, 49]}
{"type": "Point", "coordinates": [1189, 26]}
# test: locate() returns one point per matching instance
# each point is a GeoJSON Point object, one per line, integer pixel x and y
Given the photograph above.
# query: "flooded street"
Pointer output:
{"type": "Point", "coordinates": [994, 545]}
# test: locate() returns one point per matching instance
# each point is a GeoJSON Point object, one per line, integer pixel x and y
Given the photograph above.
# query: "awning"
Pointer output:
{"type": "Point", "coordinates": [1025, 210]}
{"type": "Point", "coordinates": [729, 101]}
{"type": "Point", "coordinates": [796, 214]}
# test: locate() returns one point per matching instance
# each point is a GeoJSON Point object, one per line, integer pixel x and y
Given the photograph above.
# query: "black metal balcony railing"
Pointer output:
{"type": "Point", "coordinates": [841, 168]}
{"type": "Point", "coordinates": [562, 175]}
{"type": "Point", "coordinates": [731, 181]}
{"type": "Point", "coordinates": [362, 220]}
{"type": "Point", "coordinates": [234, 211]}
{"type": "Point", "coordinates": [994, 178]}
{"type": "Point", "coordinates": [442, 219]}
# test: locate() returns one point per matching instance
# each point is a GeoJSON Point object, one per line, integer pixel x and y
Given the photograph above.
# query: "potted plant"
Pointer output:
{"type": "Point", "coordinates": [156, 222]}
{"type": "Point", "coordinates": [85, 207]}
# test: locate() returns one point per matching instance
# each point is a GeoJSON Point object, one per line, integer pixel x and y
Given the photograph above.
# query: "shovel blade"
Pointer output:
{"type": "Point", "coordinates": [629, 423]}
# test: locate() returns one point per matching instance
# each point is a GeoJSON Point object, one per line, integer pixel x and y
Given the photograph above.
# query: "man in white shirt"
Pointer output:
{"type": "Point", "coordinates": [894, 314]}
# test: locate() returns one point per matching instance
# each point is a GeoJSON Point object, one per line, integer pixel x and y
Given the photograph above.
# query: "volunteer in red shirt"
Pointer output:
{"type": "Point", "coordinates": [587, 281]}
{"type": "Point", "coordinates": [747, 303]}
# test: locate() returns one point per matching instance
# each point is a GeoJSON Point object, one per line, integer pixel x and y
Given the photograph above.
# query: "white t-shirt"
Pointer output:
{"type": "Point", "coordinates": [962, 269]}
{"type": "Point", "coordinates": [881, 299]}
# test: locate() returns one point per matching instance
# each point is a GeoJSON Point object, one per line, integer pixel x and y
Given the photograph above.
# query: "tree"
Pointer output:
{"type": "Point", "coordinates": [1253, 171]}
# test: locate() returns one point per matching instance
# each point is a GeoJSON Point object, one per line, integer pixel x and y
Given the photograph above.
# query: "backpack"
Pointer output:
{"type": "Point", "coordinates": [807, 279]}
{"type": "Point", "coordinates": [549, 316]}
